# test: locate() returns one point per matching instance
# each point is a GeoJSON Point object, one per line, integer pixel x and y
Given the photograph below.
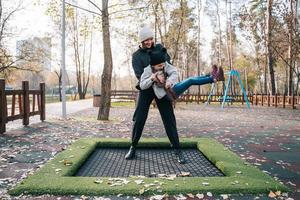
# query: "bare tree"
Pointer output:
{"type": "Point", "coordinates": [9, 62]}
{"type": "Point", "coordinates": [104, 108]}
{"type": "Point", "coordinates": [269, 36]}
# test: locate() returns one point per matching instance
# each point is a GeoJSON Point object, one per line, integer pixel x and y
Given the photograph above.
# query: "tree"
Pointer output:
{"type": "Point", "coordinates": [83, 67]}
{"type": "Point", "coordinates": [81, 28]}
{"type": "Point", "coordinates": [9, 62]}
{"type": "Point", "coordinates": [269, 37]}
{"type": "Point", "coordinates": [104, 108]}
{"type": "Point", "coordinates": [59, 77]}
{"type": "Point", "coordinates": [214, 11]}
{"type": "Point", "coordinates": [252, 25]}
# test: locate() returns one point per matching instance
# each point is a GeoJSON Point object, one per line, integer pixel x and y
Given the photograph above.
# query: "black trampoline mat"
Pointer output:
{"type": "Point", "coordinates": [110, 162]}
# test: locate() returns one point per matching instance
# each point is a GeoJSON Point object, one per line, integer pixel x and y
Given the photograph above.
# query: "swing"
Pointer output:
{"type": "Point", "coordinates": [220, 99]}
{"type": "Point", "coordinates": [226, 98]}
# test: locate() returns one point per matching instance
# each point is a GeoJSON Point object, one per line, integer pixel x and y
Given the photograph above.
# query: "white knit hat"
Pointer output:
{"type": "Point", "coordinates": [145, 33]}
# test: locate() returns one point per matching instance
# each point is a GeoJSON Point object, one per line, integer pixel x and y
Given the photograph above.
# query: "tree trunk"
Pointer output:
{"type": "Point", "coordinates": [219, 34]}
{"type": "Point", "coordinates": [230, 37]}
{"type": "Point", "coordinates": [180, 27]}
{"type": "Point", "coordinates": [227, 37]}
{"type": "Point", "coordinates": [269, 47]}
{"type": "Point", "coordinates": [89, 64]}
{"type": "Point", "coordinates": [199, 6]}
{"type": "Point", "coordinates": [291, 53]}
{"type": "Point", "coordinates": [266, 75]}
{"type": "Point", "coordinates": [108, 65]}
{"type": "Point", "coordinates": [229, 43]}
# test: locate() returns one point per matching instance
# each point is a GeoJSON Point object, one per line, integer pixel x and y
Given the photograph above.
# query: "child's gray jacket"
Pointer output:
{"type": "Point", "coordinates": [146, 82]}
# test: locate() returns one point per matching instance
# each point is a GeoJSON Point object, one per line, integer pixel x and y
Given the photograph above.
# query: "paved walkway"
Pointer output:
{"type": "Point", "coordinates": [55, 110]}
{"type": "Point", "coordinates": [268, 138]}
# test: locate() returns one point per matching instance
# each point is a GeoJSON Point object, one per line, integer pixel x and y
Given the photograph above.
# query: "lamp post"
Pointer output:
{"type": "Point", "coordinates": [63, 60]}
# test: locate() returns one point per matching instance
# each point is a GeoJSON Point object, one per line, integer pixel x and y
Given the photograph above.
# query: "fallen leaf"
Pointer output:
{"type": "Point", "coordinates": [68, 163]}
{"type": "Point", "coordinates": [139, 181]}
{"type": "Point", "coordinates": [190, 195]}
{"type": "Point", "coordinates": [57, 170]}
{"type": "Point", "coordinates": [205, 183]}
{"type": "Point", "coordinates": [98, 181]}
{"type": "Point", "coordinates": [157, 197]}
{"type": "Point", "coordinates": [292, 184]}
{"type": "Point", "coordinates": [272, 194]}
{"type": "Point", "coordinates": [180, 197]}
{"type": "Point", "coordinates": [149, 185]}
{"type": "Point", "coordinates": [285, 194]}
{"type": "Point", "coordinates": [83, 197]}
{"type": "Point", "coordinates": [278, 193]}
{"type": "Point", "coordinates": [183, 174]}
{"type": "Point", "coordinates": [171, 177]}
{"type": "Point", "coordinates": [200, 196]}
{"type": "Point", "coordinates": [142, 191]}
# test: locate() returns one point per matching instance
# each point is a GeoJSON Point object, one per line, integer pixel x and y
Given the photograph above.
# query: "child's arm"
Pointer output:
{"type": "Point", "coordinates": [147, 79]}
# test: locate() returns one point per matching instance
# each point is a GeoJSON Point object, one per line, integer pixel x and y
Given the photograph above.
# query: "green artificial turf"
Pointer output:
{"type": "Point", "coordinates": [57, 178]}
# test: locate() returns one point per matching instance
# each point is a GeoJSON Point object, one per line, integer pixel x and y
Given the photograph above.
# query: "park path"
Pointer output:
{"type": "Point", "coordinates": [54, 110]}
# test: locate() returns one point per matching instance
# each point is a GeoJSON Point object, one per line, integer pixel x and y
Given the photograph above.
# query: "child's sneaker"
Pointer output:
{"type": "Point", "coordinates": [214, 72]}
{"type": "Point", "coordinates": [217, 74]}
{"type": "Point", "coordinates": [220, 74]}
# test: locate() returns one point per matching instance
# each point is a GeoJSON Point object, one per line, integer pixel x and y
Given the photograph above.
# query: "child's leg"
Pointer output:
{"type": "Point", "coordinates": [182, 86]}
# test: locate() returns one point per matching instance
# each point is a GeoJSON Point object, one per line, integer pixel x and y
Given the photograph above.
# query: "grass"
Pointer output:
{"type": "Point", "coordinates": [56, 178]}
{"type": "Point", "coordinates": [130, 104]}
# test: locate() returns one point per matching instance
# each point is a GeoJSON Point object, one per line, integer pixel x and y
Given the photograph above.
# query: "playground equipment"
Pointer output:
{"type": "Point", "coordinates": [225, 97]}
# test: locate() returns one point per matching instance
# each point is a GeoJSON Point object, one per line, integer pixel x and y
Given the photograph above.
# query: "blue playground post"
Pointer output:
{"type": "Point", "coordinates": [210, 93]}
{"type": "Point", "coordinates": [225, 97]}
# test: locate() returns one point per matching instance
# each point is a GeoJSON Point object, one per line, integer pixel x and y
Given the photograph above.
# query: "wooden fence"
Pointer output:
{"type": "Point", "coordinates": [24, 104]}
{"type": "Point", "coordinates": [282, 101]}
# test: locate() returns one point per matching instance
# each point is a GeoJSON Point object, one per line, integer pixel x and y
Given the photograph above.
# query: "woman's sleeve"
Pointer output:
{"type": "Point", "coordinates": [145, 81]}
{"type": "Point", "coordinates": [136, 65]}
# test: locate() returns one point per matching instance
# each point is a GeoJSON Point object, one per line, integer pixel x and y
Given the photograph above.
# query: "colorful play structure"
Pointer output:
{"type": "Point", "coordinates": [226, 98]}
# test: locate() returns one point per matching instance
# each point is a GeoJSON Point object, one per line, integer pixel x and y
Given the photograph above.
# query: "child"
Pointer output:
{"type": "Point", "coordinates": [162, 76]}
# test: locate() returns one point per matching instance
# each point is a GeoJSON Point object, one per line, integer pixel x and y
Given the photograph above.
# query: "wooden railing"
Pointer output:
{"type": "Point", "coordinates": [127, 95]}
{"type": "Point", "coordinates": [21, 104]}
{"type": "Point", "coordinates": [282, 101]}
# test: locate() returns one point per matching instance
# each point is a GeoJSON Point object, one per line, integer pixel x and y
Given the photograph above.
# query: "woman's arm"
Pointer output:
{"type": "Point", "coordinates": [147, 79]}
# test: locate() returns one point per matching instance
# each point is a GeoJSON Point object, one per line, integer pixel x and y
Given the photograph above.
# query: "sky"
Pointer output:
{"type": "Point", "coordinates": [32, 21]}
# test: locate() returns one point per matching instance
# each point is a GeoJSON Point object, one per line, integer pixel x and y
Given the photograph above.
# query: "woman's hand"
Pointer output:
{"type": "Point", "coordinates": [168, 85]}
{"type": "Point", "coordinates": [153, 77]}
